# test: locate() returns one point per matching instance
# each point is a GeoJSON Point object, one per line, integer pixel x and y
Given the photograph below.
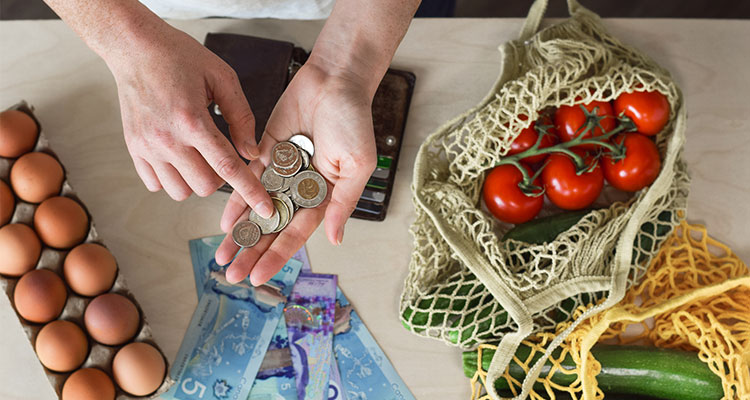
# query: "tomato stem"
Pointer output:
{"type": "Point", "coordinates": [527, 185]}
{"type": "Point", "coordinates": [625, 125]}
{"type": "Point", "coordinates": [593, 121]}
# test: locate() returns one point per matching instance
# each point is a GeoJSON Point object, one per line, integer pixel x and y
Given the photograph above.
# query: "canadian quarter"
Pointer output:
{"type": "Point", "coordinates": [246, 234]}
{"type": "Point", "coordinates": [267, 225]}
{"type": "Point", "coordinates": [285, 185]}
{"type": "Point", "coordinates": [289, 203]}
{"type": "Point", "coordinates": [271, 180]}
{"type": "Point", "coordinates": [285, 214]}
{"type": "Point", "coordinates": [305, 159]}
{"type": "Point", "coordinates": [284, 155]}
{"type": "Point", "coordinates": [304, 143]}
{"type": "Point", "coordinates": [290, 171]}
{"type": "Point", "coordinates": [308, 189]}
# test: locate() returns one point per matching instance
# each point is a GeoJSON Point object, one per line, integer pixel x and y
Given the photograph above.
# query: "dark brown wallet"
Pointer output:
{"type": "Point", "coordinates": [265, 67]}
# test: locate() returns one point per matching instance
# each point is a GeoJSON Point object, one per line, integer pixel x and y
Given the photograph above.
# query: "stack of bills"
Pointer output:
{"type": "Point", "coordinates": [295, 338]}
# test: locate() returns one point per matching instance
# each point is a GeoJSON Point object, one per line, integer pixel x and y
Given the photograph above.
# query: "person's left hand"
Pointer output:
{"type": "Point", "coordinates": [335, 112]}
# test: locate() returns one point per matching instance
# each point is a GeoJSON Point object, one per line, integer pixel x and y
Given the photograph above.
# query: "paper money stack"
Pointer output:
{"type": "Point", "coordinates": [295, 338]}
{"type": "Point", "coordinates": [292, 182]}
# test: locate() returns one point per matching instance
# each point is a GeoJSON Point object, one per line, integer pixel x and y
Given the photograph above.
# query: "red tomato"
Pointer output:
{"type": "Point", "coordinates": [638, 169]}
{"type": "Point", "coordinates": [569, 119]}
{"type": "Point", "coordinates": [565, 188]}
{"type": "Point", "coordinates": [528, 137]}
{"type": "Point", "coordinates": [649, 110]}
{"type": "Point", "coordinates": [504, 198]}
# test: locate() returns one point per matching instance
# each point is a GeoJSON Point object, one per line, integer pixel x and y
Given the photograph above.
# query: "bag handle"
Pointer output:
{"type": "Point", "coordinates": [536, 13]}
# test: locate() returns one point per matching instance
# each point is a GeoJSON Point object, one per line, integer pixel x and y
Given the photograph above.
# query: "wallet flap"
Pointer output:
{"type": "Point", "coordinates": [262, 66]}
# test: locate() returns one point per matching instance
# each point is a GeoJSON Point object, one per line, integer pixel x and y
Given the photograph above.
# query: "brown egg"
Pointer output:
{"type": "Point", "coordinates": [61, 346]}
{"type": "Point", "coordinates": [90, 269]}
{"type": "Point", "coordinates": [88, 384]}
{"type": "Point", "coordinates": [36, 176]}
{"type": "Point", "coordinates": [138, 368]}
{"type": "Point", "coordinates": [20, 249]}
{"type": "Point", "coordinates": [18, 133]}
{"type": "Point", "coordinates": [40, 295]}
{"type": "Point", "coordinates": [7, 203]}
{"type": "Point", "coordinates": [111, 319]}
{"type": "Point", "coordinates": [61, 222]}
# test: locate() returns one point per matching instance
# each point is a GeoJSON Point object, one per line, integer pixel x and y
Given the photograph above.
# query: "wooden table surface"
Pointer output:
{"type": "Point", "coordinates": [455, 62]}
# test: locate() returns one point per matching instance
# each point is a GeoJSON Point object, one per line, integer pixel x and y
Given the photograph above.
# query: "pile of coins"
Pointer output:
{"type": "Point", "coordinates": [292, 182]}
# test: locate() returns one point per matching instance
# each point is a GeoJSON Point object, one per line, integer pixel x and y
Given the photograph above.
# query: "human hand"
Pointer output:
{"type": "Point", "coordinates": [335, 112]}
{"type": "Point", "coordinates": [165, 84]}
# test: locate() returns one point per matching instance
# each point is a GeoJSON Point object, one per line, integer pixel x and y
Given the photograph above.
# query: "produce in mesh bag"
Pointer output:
{"type": "Point", "coordinates": [688, 318]}
{"type": "Point", "coordinates": [467, 285]}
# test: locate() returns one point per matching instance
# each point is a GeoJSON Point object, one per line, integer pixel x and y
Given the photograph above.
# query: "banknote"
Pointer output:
{"type": "Point", "coordinates": [361, 362]}
{"type": "Point", "coordinates": [335, 388]}
{"type": "Point", "coordinates": [366, 373]}
{"type": "Point", "coordinates": [202, 253]}
{"type": "Point", "coordinates": [310, 315]}
{"type": "Point", "coordinates": [275, 379]}
{"type": "Point", "coordinates": [228, 336]}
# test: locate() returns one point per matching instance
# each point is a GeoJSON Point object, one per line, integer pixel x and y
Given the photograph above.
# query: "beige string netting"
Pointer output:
{"type": "Point", "coordinates": [465, 286]}
{"type": "Point", "coordinates": [695, 297]}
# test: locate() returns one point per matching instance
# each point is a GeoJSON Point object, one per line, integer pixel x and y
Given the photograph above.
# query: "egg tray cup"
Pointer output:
{"type": "Point", "coordinates": [99, 355]}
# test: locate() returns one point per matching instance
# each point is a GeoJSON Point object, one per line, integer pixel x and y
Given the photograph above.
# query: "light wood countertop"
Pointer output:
{"type": "Point", "coordinates": [455, 62]}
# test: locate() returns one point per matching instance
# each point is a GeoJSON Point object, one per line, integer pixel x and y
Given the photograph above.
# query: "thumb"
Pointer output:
{"type": "Point", "coordinates": [344, 198]}
{"type": "Point", "coordinates": [228, 95]}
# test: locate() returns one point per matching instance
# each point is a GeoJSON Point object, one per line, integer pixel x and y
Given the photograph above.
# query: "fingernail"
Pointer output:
{"type": "Point", "coordinates": [252, 150]}
{"type": "Point", "coordinates": [340, 236]}
{"type": "Point", "coordinates": [265, 210]}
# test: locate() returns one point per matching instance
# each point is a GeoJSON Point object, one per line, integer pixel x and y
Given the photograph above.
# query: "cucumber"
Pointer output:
{"type": "Point", "coordinates": [633, 370]}
{"type": "Point", "coordinates": [545, 230]}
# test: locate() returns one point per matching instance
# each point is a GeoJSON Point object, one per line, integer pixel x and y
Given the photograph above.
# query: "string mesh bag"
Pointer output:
{"type": "Point", "coordinates": [465, 285]}
{"type": "Point", "coordinates": [695, 297]}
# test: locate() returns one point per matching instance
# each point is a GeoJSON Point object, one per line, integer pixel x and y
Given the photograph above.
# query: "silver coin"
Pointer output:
{"type": "Point", "coordinates": [271, 180]}
{"type": "Point", "coordinates": [308, 189]}
{"type": "Point", "coordinates": [284, 212]}
{"type": "Point", "coordinates": [305, 159]}
{"type": "Point", "coordinates": [246, 234]}
{"type": "Point", "coordinates": [290, 171]}
{"type": "Point", "coordinates": [267, 225]}
{"type": "Point", "coordinates": [289, 203]}
{"type": "Point", "coordinates": [285, 185]}
{"type": "Point", "coordinates": [304, 143]}
{"type": "Point", "coordinates": [284, 155]}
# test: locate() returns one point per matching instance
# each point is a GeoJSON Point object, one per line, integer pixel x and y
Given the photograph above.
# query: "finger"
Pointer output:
{"type": "Point", "coordinates": [245, 261]}
{"type": "Point", "coordinates": [228, 248]}
{"type": "Point", "coordinates": [346, 193]}
{"type": "Point", "coordinates": [224, 160]}
{"type": "Point", "coordinates": [196, 173]}
{"type": "Point", "coordinates": [172, 182]}
{"type": "Point", "coordinates": [284, 245]}
{"type": "Point", "coordinates": [228, 95]}
{"type": "Point", "coordinates": [236, 204]}
{"type": "Point", "coordinates": [147, 174]}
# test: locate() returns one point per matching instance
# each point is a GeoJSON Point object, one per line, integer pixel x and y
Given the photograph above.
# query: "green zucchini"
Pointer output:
{"type": "Point", "coordinates": [633, 370]}
{"type": "Point", "coordinates": [544, 230]}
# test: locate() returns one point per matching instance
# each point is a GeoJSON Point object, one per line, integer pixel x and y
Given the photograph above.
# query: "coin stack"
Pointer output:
{"type": "Point", "coordinates": [292, 182]}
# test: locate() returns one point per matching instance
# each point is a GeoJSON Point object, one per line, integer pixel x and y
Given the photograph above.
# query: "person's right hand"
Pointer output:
{"type": "Point", "coordinates": [165, 84]}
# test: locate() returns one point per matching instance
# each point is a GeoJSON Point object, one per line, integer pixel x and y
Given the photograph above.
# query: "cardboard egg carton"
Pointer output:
{"type": "Point", "coordinates": [99, 356]}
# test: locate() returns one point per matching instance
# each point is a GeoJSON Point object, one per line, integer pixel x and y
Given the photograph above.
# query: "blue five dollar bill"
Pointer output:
{"type": "Point", "coordinates": [365, 372]}
{"type": "Point", "coordinates": [228, 336]}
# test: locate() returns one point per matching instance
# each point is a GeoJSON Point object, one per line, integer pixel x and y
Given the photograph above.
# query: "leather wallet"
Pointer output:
{"type": "Point", "coordinates": [265, 67]}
